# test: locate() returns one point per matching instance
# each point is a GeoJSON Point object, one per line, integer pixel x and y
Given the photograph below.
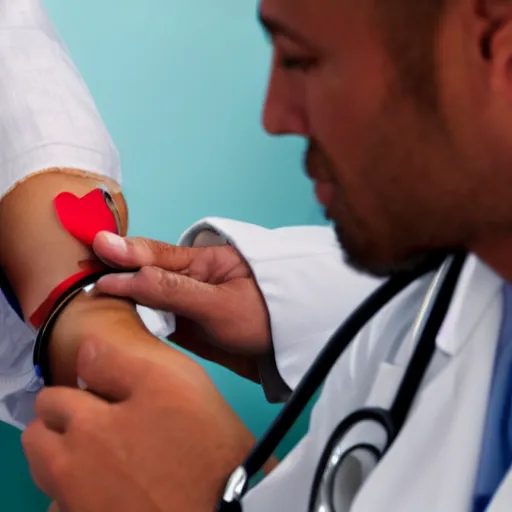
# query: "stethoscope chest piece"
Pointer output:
{"type": "Point", "coordinates": [347, 462]}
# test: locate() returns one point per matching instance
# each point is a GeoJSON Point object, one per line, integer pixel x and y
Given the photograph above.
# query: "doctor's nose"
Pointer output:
{"type": "Point", "coordinates": [281, 114]}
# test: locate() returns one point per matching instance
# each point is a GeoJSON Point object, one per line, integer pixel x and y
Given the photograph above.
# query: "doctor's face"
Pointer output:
{"type": "Point", "coordinates": [393, 99]}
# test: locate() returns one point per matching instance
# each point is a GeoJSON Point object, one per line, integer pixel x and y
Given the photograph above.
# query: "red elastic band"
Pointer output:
{"type": "Point", "coordinates": [83, 217]}
{"type": "Point", "coordinates": [41, 313]}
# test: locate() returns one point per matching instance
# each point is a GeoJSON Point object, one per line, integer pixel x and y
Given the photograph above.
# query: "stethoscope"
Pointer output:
{"type": "Point", "coordinates": [357, 460]}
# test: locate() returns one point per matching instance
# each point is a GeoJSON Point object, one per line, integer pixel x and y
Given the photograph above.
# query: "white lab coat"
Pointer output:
{"type": "Point", "coordinates": [432, 465]}
{"type": "Point", "coordinates": [48, 119]}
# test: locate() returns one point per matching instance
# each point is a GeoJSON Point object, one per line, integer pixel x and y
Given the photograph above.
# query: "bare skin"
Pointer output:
{"type": "Point", "coordinates": [37, 253]}
{"type": "Point", "coordinates": [208, 280]}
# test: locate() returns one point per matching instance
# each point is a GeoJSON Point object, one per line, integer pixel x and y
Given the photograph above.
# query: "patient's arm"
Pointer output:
{"type": "Point", "coordinates": [37, 253]}
{"type": "Point", "coordinates": [48, 120]}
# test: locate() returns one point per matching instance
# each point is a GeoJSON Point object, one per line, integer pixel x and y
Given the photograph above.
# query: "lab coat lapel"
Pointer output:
{"type": "Point", "coordinates": [439, 447]}
{"type": "Point", "coordinates": [464, 389]}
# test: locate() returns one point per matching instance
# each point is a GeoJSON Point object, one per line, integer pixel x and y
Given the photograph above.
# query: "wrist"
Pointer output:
{"type": "Point", "coordinates": [90, 315]}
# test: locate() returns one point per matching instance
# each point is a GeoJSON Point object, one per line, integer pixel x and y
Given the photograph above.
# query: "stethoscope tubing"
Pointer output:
{"type": "Point", "coordinates": [313, 379]}
{"type": "Point", "coordinates": [429, 321]}
{"type": "Point", "coordinates": [327, 358]}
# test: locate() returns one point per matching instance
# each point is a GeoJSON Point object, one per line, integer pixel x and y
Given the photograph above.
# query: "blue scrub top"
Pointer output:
{"type": "Point", "coordinates": [496, 454]}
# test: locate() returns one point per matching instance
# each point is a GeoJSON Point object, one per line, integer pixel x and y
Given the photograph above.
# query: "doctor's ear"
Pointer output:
{"type": "Point", "coordinates": [495, 19]}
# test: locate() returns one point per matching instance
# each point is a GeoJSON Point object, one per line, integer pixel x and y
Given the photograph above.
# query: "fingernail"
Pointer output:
{"type": "Point", "coordinates": [81, 383]}
{"type": "Point", "coordinates": [116, 242]}
{"type": "Point", "coordinates": [121, 276]}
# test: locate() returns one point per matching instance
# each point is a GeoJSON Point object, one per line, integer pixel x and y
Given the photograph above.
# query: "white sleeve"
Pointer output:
{"type": "Point", "coordinates": [308, 290]}
{"type": "Point", "coordinates": [48, 118]}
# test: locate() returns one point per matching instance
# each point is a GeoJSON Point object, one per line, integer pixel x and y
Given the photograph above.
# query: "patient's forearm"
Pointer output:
{"type": "Point", "coordinates": [112, 319]}
{"type": "Point", "coordinates": [37, 253]}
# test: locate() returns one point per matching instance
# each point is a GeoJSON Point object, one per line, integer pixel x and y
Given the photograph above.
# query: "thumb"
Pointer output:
{"type": "Point", "coordinates": [110, 371]}
{"type": "Point", "coordinates": [134, 253]}
{"type": "Point", "coordinates": [166, 291]}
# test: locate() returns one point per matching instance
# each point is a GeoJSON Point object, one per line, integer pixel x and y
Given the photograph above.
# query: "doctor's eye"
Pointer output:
{"type": "Point", "coordinates": [296, 63]}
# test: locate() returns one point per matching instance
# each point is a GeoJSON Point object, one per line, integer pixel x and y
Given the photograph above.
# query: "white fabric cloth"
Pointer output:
{"type": "Point", "coordinates": [47, 116]}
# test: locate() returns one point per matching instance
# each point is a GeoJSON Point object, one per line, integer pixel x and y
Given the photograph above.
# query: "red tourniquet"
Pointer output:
{"type": "Point", "coordinates": [83, 217]}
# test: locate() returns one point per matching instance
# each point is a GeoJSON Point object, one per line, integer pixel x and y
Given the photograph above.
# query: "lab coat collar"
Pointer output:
{"type": "Point", "coordinates": [477, 285]}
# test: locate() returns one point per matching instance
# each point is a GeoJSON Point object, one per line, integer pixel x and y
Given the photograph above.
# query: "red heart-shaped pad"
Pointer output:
{"type": "Point", "coordinates": [84, 217]}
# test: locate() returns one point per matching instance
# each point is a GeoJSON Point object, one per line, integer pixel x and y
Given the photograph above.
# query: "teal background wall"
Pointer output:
{"type": "Point", "coordinates": [180, 86]}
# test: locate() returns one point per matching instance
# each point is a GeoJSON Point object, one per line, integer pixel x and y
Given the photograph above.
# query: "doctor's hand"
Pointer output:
{"type": "Point", "coordinates": [221, 314]}
{"type": "Point", "coordinates": [151, 436]}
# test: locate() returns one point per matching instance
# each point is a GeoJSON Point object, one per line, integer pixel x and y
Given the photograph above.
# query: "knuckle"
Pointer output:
{"type": "Point", "coordinates": [154, 278]}
{"type": "Point", "coordinates": [149, 245]}
{"type": "Point", "coordinates": [148, 277]}
{"type": "Point", "coordinates": [149, 272]}
{"type": "Point", "coordinates": [157, 249]}
{"type": "Point", "coordinates": [164, 249]}
{"type": "Point", "coordinates": [168, 282]}
{"type": "Point", "coordinates": [161, 254]}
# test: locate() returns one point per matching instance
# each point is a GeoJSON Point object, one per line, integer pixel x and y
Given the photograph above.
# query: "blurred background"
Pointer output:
{"type": "Point", "coordinates": [180, 87]}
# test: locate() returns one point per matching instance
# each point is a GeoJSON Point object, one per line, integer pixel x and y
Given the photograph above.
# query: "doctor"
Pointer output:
{"type": "Point", "coordinates": [407, 107]}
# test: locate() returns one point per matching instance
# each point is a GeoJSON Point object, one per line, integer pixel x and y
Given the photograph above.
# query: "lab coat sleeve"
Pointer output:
{"type": "Point", "coordinates": [308, 290]}
{"type": "Point", "coordinates": [48, 118]}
